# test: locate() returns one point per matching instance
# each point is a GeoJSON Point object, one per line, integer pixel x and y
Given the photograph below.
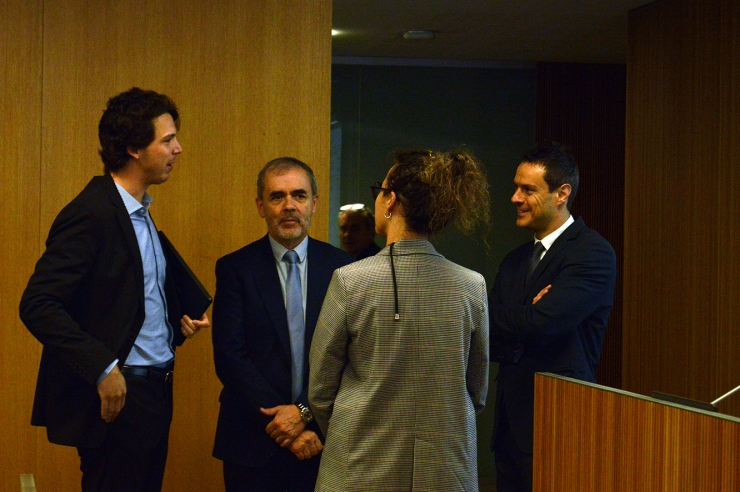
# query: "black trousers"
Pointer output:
{"type": "Point", "coordinates": [283, 473]}
{"type": "Point", "coordinates": [133, 454]}
{"type": "Point", "coordinates": [513, 466]}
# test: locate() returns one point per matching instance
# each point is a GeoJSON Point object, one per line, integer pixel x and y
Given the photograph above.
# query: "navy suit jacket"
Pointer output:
{"type": "Point", "coordinates": [251, 344]}
{"type": "Point", "coordinates": [562, 333]}
{"type": "Point", "coordinates": [85, 304]}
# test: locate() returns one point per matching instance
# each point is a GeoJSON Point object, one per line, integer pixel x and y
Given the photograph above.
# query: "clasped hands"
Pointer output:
{"type": "Point", "coordinates": [288, 430]}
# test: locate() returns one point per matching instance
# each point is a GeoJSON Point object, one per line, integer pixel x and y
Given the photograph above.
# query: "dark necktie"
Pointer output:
{"type": "Point", "coordinates": [294, 309]}
{"type": "Point", "coordinates": [539, 248]}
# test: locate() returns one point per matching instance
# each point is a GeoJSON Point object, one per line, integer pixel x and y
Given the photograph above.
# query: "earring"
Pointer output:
{"type": "Point", "coordinates": [387, 215]}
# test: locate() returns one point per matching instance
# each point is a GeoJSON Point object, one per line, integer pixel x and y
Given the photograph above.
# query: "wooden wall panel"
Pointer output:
{"type": "Point", "coordinates": [20, 150]}
{"type": "Point", "coordinates": [252, 81]}
{"type": "Point", "coordinates": [682, 267]}
{"type": "Point", "coordinates": [583, 107]}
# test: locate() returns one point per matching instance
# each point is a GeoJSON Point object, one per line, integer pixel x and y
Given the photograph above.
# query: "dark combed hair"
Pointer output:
{"type": "Point", "coordinates": [437, 188]}
{"type": "Point", "coordinates": [281, 165]}
{"type": "Point", "coordinates": [560, 166]}
{"type": "Point", "coordinates": [128, 122]}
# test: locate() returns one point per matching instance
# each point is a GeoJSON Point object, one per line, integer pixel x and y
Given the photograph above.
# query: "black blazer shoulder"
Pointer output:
{"type": "Point", "coordinates": [577, 236]}
{"type": "Point", "coordinates": [256, 261]}
{"type": "Point", "coordinates": [321, 254]}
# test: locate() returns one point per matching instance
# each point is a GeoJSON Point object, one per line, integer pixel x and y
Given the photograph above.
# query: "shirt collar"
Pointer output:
{"type": "Point", "coordinates": [550, 238]}
{"type": "Point", "coordinates": [278, 250]}
{"type": "Point", "coordinates": [132, 204]}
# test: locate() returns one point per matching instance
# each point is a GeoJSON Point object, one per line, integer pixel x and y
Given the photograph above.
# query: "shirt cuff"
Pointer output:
{"type": "Point", "coordinates": [106, 372]}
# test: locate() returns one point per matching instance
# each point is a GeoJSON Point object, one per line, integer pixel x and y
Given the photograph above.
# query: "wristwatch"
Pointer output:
{"type": "Point", "coordinates": [306, 415]}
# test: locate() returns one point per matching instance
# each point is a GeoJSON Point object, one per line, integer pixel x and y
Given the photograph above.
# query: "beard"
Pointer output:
{"type": "Point", "coordinates": [292, 230]}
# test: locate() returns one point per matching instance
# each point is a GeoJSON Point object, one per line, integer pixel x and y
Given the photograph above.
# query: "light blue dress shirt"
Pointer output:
{"type": "Point", "coordinates": [153, 345]}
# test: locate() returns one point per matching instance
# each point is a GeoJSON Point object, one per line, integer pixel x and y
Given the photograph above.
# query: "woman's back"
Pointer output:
{"type": "Point", "coordinates": [404, 413]}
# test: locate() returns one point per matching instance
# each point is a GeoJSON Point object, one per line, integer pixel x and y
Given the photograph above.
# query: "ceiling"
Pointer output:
{"type": "Point", "coordinates": [582, 31]}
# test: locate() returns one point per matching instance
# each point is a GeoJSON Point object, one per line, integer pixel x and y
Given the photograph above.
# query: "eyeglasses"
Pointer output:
{"type": "Point", "coordinates": [376, 188]}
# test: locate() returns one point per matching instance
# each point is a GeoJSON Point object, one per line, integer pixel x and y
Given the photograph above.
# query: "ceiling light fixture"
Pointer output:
{"type": "Point", "coordinates": [334, 32]}
{"type": "Point", "coordinates": [414, 35]}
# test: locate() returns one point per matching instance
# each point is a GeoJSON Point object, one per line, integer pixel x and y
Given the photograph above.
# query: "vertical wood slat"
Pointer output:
{"type": "Point", "coordinates": [583, 107]}
{"type": "Point", "coordinates": [682, 206]}
{"type": "Point", "coordinates": [252, 81]}
{"type": "Point", "coordinates": [590, 437]}
{"type": "Point", "coordinates": [21, 23]}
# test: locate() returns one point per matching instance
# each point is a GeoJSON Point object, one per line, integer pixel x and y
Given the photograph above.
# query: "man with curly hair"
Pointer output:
{"type": "Point", "coordinates": [103, 304]}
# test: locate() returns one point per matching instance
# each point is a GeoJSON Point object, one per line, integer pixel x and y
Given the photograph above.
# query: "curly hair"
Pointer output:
{"type": "Point", "coordinates": [128, 121]}
{"type": "Point", "coordinates": [437, 188]}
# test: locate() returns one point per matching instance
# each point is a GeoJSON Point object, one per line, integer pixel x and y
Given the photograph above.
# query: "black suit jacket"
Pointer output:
{"type": "Point", "coordinates": [563, 332]}
{"type": "Point", "coordinates": [85, 304]}
{"type": "Point", "coordinates": [251, 344]}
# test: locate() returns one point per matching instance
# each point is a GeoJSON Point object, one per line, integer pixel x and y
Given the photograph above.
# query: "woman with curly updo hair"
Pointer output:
{"type": "Point", "coordinates": [399, 359]}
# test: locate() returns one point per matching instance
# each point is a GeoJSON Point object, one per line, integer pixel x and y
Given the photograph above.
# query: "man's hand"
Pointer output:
{"type": "Point", "coordinates": [190, 327]}
{"type": "Point", "coordinates": [306, 445]}
{"type": "Point", "coordinates": [286, 424]}
{"type": "Point", "coordinates": [112, 391]}
{"type": "Point", "coordinates": [541, 294]}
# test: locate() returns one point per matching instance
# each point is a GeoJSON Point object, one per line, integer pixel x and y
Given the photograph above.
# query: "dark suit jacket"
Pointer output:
{"type": "Point", "coordinates": [251, 344]}
{"type": "Point", "coordinates": [563, 332]}
{"type": "Point", "coordinates": [85, 304]}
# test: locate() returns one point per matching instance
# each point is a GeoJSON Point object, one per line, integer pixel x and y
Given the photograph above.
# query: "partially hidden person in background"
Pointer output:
{"type": "Point", "coordinates": [267, 301]}
{"type": "Point", "coordinates": [357, 231]}
{"type": "Point", "coordinates": [103, 304]}
{"type": "Point", "coordinates": [399, 360]}
{"type": "Point", "coordinates": [561, 333]}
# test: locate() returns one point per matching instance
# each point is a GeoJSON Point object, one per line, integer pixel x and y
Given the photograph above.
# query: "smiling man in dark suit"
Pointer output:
{"type": "Point", "coordinates": [102, 303]}
{"type": "Point", "coordinates": [268, 297]}
{"type": "Point", "coordinates": [559, 332]}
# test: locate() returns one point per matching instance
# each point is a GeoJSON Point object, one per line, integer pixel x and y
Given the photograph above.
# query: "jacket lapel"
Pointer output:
{"type": "Point", "coordinates": [315, 294]}
{"type": "Point", "coordinates": [522, 273]}
{"type": "Point", "coordinates": [560, 243]}
{"type": "Point", "coordinates": [267, 282]}
{"type": "Point", "coordinates": [127, 228]}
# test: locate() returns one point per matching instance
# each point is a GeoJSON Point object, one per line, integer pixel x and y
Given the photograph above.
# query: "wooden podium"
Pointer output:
{"type": "Point", "coordinates": [589, 437]}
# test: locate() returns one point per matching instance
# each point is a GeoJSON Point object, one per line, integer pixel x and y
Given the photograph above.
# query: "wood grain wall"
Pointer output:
{"type": "Point", "coordinates": [252, 81]}
{"type": "Point", "coordinates": [20, 155]}
{"type": "Point", "coordinates": [582, 106]}
{"type": "Point", "coordinates": [682, 205]}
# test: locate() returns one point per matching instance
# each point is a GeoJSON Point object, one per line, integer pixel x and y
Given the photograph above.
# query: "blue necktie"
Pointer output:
{"type": "Point", "coordinates": [294, 308]}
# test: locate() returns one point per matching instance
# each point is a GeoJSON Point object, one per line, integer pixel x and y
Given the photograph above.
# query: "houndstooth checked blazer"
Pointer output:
{"type": "Point", "coordinates": [397, 400]}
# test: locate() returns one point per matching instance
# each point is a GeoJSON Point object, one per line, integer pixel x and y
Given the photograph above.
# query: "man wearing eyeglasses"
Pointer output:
{"type": "Point", "coordinates": [268, 297]}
